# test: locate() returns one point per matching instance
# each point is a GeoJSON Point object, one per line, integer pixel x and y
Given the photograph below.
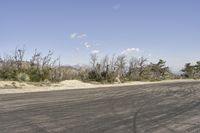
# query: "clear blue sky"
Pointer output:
{"type": "Point", "coordinates": [167, 29]}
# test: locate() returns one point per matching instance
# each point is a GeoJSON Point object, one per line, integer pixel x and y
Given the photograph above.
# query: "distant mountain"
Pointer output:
{"type": "Point", "coordinates": [78, 66]}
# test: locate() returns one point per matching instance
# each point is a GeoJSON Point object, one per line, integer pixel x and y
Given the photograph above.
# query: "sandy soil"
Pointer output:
{"type": "Point", "coordinates": [8, 87]}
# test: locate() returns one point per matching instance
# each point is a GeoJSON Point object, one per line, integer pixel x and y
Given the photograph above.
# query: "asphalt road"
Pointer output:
{"type": "Point", "coordinates": [158, 108]}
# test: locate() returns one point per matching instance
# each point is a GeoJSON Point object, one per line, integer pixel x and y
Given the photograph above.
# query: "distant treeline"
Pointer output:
{"type": "Point", "coordinates": [106, 70]}
{"type": "Point", "coordinates": [119, 68]}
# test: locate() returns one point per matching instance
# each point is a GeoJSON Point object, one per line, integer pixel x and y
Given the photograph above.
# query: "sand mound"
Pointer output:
{"type": "Point", "coordinates": [14, 84]}
{"type": "Point", "coordinates": [7, 87]}
{"type": "Point", "coordinates": [75, 83]}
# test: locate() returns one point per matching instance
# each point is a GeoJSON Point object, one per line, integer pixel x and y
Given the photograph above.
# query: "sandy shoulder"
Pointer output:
{"type": "Point", "coordinates": [9, 87]}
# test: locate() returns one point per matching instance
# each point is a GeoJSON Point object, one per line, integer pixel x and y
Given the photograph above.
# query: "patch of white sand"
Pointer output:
{"type": "Point", "coordinates": [8, 87]}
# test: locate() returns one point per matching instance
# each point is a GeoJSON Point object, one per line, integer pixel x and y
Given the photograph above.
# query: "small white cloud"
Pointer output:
{"type": "Point", "coordinates": [95, 51]}
{"type": "Point", "coordinates": [116, 6]}
{"type": "Point", "coordinates": [130, 50]}
{"type": "Point", "coordinates": [87, 45]}
{"type": "Point", "coordinates": [78, 36]}
{"type": "Point", "coordinates": [73, 35]}
{"type": "Point", "coordinates": [82, 36]}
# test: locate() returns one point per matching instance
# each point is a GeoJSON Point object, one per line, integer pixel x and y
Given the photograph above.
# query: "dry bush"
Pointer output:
{"type": "Point", "coordinates": [106, 70]}
{"type": "Point", "coordinates": [14, 67]}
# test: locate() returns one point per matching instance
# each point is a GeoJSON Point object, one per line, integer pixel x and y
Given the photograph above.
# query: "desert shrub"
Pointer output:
{"type": "Point", "coordinates": [23, 77]}
{"type": "Point", "coordinates": [109, 77]}
{"type": "Point", "coordinates": [94, 76]}
{"type": "Point", "coordinates": [83, 74]}
{"type": "Point", "coordinates": [34, 75]}
{"type": "Point", "coordinates": [45, 73]}
{"type": "Point", "coordinates": [104, 75]}
{"type": "Point", "coordinates": [40, 68]}
{"type": "Point", "coordinates": [69, 73]}
{"type": "Point", "coordinates": [7, 69]}
{"type": "Point", "coordinates": [191, 71]}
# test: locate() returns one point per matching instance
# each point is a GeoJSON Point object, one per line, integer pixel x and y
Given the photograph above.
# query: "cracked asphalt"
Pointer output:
{"type": "Point", "coordinates": [156, 108]}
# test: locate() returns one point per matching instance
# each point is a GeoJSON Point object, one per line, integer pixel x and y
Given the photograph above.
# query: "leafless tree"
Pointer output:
{"type": "Point", "coordinates": [142, 64]}
{"type": "Point", "coordinates": [133, 70]}
{"type": "Point", "coordinates": [105, 63]}
{"type": "Point", "coordinates": [112, 67]}
{"type": "Point", "coordinates": [36, 59]}
{"type": "Point", "coordinates": [121, 64]}
{"type": "Point", "coordinates": [93, 60]}
{"type": "Point", "coordinates": [19, 58]}
{"type": "Point", "coordinates": [133, 64]}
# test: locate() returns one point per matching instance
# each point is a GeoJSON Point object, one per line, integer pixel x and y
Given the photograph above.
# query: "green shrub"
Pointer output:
{"type": "Point", "coordinates": [23, 77]}
{"type": "Point", "coordinates": [94, 76]}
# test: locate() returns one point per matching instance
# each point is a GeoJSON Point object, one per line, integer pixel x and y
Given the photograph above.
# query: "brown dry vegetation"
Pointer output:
{"type": "Point", "coordinates": [46, 68]}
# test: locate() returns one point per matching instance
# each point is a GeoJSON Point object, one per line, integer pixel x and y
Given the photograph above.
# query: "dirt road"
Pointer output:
{"type": "Point", "coordinates": [156, 108]}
